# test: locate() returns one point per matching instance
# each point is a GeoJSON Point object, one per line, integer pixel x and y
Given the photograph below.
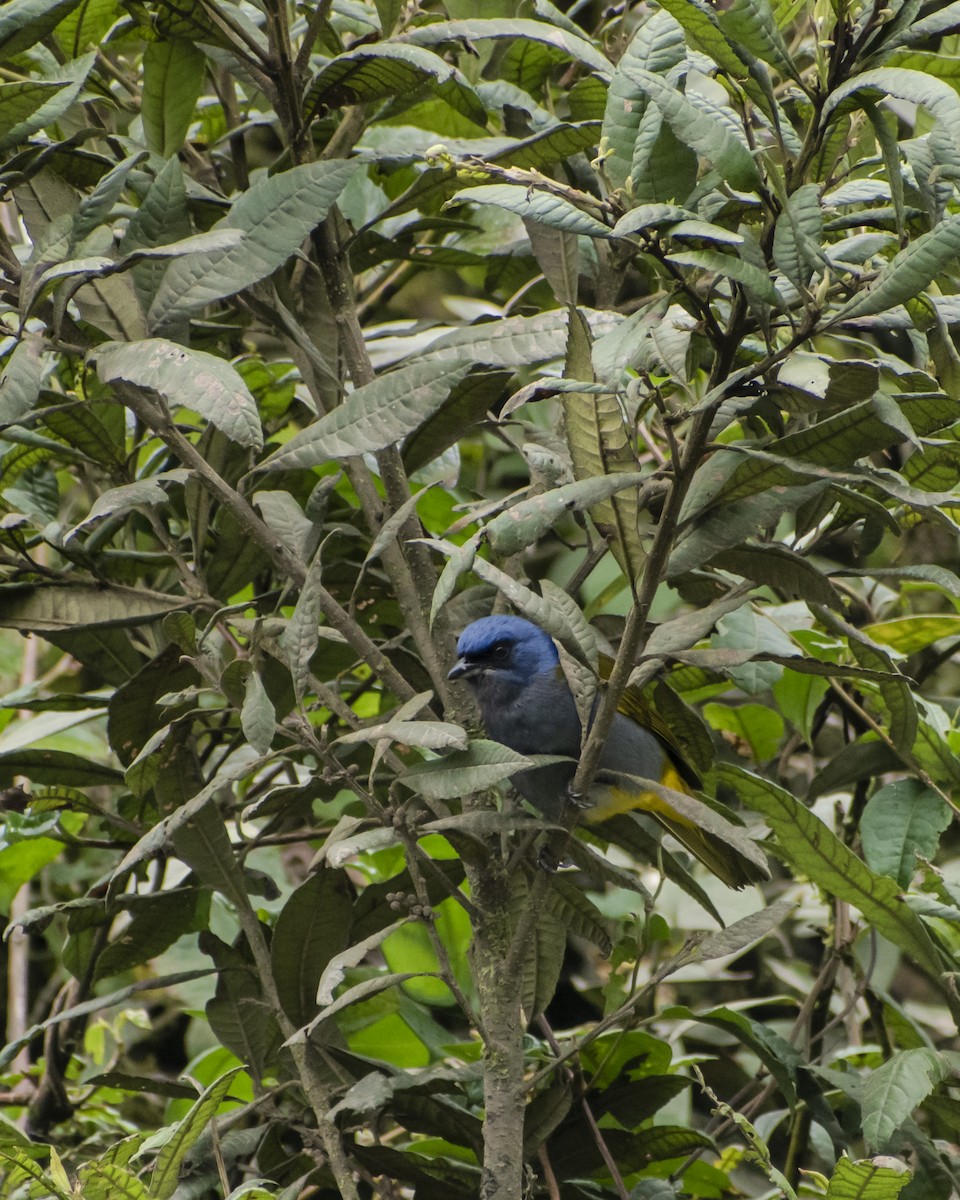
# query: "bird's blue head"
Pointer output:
{"type": "Point", "coordinates": [501, 655]}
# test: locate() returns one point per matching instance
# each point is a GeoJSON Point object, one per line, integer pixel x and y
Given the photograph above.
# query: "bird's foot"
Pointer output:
{"type": "Point", "coordinates": [577, 799]}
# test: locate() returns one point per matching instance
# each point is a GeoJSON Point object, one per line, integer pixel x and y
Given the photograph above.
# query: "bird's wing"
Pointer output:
{"type": "Point", "coordinates": [634, 705]}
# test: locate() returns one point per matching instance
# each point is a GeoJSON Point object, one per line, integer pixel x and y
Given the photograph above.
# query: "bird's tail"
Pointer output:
{"type": "Point", "coordinates": [722, 847]}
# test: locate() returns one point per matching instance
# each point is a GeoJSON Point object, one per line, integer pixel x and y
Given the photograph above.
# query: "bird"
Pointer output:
{"type": "Point", "coordinates": [513, 669]}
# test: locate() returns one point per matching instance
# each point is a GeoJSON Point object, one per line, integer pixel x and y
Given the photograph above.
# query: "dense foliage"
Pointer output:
{"type": "Point", "coordinates": [329, 327]}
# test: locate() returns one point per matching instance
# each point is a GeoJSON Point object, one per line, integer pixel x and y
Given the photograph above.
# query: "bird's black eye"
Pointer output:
{"type": "Point", "coordinates": [500, 652]}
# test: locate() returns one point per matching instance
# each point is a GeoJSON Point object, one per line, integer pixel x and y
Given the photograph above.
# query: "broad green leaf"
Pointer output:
{"type": "Point", "coordinates": [702, 132]}
{"type": "Point", "coordinates": [755, 283]}
{"type": "Point", "coordinates": [902, 820]}
{"type": "Point", "coordinates": [166, 1171]}
{"type": "Point", "coordinates": [525, 522]}
{"type": "Point", "coordinates": [773, 1050]}
{"type": "Point", "coordinates": [156, 924]}
{"type": "Point", "coordinates": [376, 72]}
{"type": "Point", "coordinates": [911, 271]}
{"type": "Point", "coordinates": [752, 24]}
{"type": "Point", "coordinates": [814, 850]}
{"type": "Point", "coordinates": [650, 216]}
{"type": "Point", "coordinates": [543, 207]}
{"type": "Point", "coordinates": [21, 1167]}
{"type": "Point", "coordinates": [543, 957]}
{"type": "Point", "coordinates": [187, 379]}
{"type": "Point", "coordinates": [172, 78]}
{"type": "Point", "coordinates": [702, 27]}
{"type": "Point", "coordinates": [790, 574]}
{"type": "Point", "coordinates": [745, 932]}
{"type": "Point", "coordinates": [26, 23]}
{"type": "Point", "coordinates": [752, 725]}
{"type": "Point", "coordinates": [108, 1181]}
{"type": "Point", "coordinates": [516, 341]}
{"type": "Point", "coordinates": [28, 107]}
{"type": "Point", "coordinates": [20, 382]}
{"type": "Point", "coordinates": [657, 46]}
{"type": "Point", "coordinates": [882, 1178]}
{"type": "Point", "coordinates": [312, 927]}
{"type": "Point", "coordinates": [161, 218]}
{"type": "Point", "coordinates": [301, 638]}
{"type": "Point", "coordinates": [47, 607]}
{"type": "Point", "coordinates": [598, 444]}
{"type": "Point", "coordinates": [373, 417]}
{"type": "Point", "coordinates": [482, 765]}
{"type": "Point", "coordinates": [892, 1091]}
{"type": "Point", "coordinates": [913, 86]}
{"type": "Point", "coordinates": [907, 635]}
{"type": "Point", "coordinates": [144, 492]}
{"type": "Point", "coordinates": [514, 30]}
{"type": "Point", "coordinates": [797, 237]}
{"type": "Point", "coordinates": [257, 717]}
{"type": "Point", "coordinates": [276, 213]}
{"type": "Point", "coordinates": [431, 735]}
{"type": "Point", "coordinates": [201, 840]}
{"type": "Point", "coordinates": [86, 25]}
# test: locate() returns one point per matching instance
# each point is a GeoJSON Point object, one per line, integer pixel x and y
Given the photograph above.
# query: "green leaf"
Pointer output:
{"type": "Point", "coordinates": [188, 379]}
{"type": "Point", "coordinates": [515, 30]}
{"type": "Point", "coordinates": [910, 271]}
{"type": "Point", "coordinates": [880, 1179]}
{"type": "Point", "coordinates": [902, 820]}
{"type": "Point", "coordinates": [431, 735]}
{"type": "Point", "coordinates": [907, 635]}
{"type": "Point", "coordinates": [312, 927]}
{"type": "Point", "coordinates": [201, 840]}
{"type": "Point", "coordinates": [20, 382]}
{"type": "Point", "coordinates": [701, 131]}
{"type": "Point", "coordinates": [276, 213]}
{"type": "Point", "coordinates": [743, 933]}
{"type": "Point", "coordinates": [785, 571]}
{"type": "Point", "coordinates": [142, 493]}
{"type": "Point", "coordinates": [543, 959]}
{"type": "Point", "coordinates": [755, 283]}
{"type": "Point", "coordinates": [524, 523]}
{"type": "Point", "coordinates": [797, 237]}
{"type": "Point", "coordinates": [599, 445]}
{"type": "Point", "coordinates": [913, 86]}
{"type": "Point", "coordinates": [166, 1171]}
{"type": "Point", "coordinates": [54, 766]}
{"type": "Point", "coordinates": [657, 46]}
{"type": "Point", "coordinates": [172, 78]}
{"type": "Point", "coordinates": [755, 726]}
{"type": "Point", "coordinates": [752, 24]}
{"type": "Point", "coordinates": [108, 1181]}
{"type": "Point", "coordinates": [257, 717]}
{"type": "Point", "coordinates": [813, 849]}
{"type": "Point", "coordinates": [702, 27]}
{"type": "Point", "coordinates": [386, 69]}
{"type": "Point", "coordinates": [157, 922]}
{"type": "Point", "coordinates": [300, 638]}
{"type": "Point", "coordinates": [543, 207]}
{"type": "Point", "coordinates": [892, 1091]}
{"type": "Point", "coordinates": [374, 416]}
{"type": "Point", "coordinates": [28, 107]}
{"type": "Point", "coordinates": [22, 1167]}
{"type": "Point", "coordinates": [482, 765]}
{"type": "Point", "coordinates": [28, 22]}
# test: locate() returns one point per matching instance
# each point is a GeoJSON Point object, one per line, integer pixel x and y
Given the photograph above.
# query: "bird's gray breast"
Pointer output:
{"type": "Point", "coordinates": [542, 719]}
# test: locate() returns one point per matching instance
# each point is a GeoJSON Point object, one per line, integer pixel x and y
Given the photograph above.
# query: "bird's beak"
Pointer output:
{"type": "Point", "coordinates": [463, 669]}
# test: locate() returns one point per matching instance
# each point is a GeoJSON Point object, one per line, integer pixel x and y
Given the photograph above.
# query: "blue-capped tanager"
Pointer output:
{"type": "Point", "coordinates": [513, 669]}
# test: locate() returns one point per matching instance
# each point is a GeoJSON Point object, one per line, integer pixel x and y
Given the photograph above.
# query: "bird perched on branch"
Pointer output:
{"type": "Point", "coordinates": [513, 669]}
